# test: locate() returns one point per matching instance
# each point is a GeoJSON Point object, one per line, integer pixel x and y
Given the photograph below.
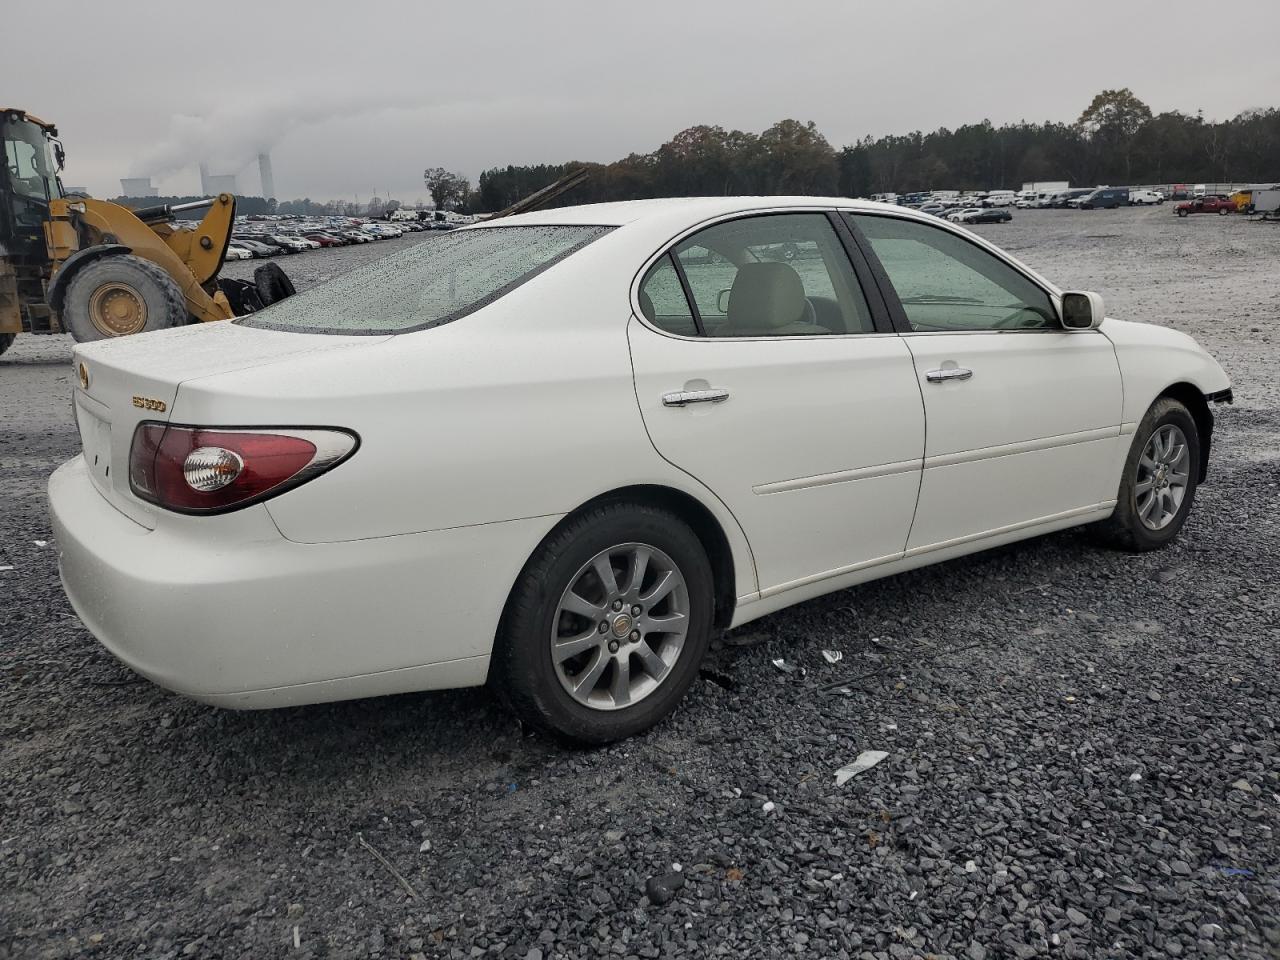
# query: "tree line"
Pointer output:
{"type": "Point", "coordinates": [1115, 140]}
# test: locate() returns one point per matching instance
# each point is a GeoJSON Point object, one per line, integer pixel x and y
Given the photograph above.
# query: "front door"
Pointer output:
{"type": "Point", "coordinates": [1023, 416]}
{"type": "Point", "coordinates": [760, 370]}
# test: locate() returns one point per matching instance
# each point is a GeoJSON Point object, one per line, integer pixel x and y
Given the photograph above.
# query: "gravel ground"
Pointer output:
{"type": "Point", "coordinates": [1082, 745]}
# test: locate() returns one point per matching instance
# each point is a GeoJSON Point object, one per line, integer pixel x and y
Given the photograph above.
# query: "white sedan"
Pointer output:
{"type": "Point", "coordinates": [558, 451]}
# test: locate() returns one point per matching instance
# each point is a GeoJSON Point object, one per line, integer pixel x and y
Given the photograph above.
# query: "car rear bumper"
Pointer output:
{"type": "Point", "coordinates": [234, 614]}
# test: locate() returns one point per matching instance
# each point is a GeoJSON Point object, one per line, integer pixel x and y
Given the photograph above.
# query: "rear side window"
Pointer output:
{"type": "Point", "coordinates": [770, 275]}
{"type": "Point", "coordinates": [431, 283]}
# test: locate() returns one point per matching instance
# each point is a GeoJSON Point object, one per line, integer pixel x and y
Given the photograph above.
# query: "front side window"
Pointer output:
{"type": "Point", "coordinates": [429, 284]}
{"type": "Point", "coordinates": [947, 283]}
{"type": "Point", "coordinates": [765, 276]}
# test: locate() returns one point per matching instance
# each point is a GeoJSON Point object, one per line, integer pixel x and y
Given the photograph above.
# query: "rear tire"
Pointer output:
{"type": "Point", "coordinates": [1182, 213]}
{"type": "Point", "coordinates": [1138, 524]}
{"type": "Point", "coordinates": [579, 697]}
{"type": "Point", "coordinates": [6, 341]}
{"type": "Point", "coordinates": [273, 284]}
{"type": "Point", "coordinates": [1223, 211]}
{"type": "Point", "coordinates": [120, 295]}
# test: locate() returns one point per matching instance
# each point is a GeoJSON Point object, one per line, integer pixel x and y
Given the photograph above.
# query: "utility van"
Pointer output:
{"type": "Point", "coordinates": [1140, 197]}
{"type": "Point", "coordinates": [1106, 198]}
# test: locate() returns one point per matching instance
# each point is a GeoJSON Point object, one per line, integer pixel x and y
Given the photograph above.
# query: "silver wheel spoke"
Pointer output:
{"type": "Point", "coordinates": [586, 681]}
{"type": "Point", "coordinates": [1144, 487]}
{"type": "Point", "coordinates": [639, 565]}
{"type": "Point", "coordinates": [573, 646]}
{"type": "Point", "coordinates": [604, 570]}
{"type": "Point", "coordinates": [583, 608]}
{"type": "Point", "coordinates": [620, 687]}
{"type": "Point", "coordinates": [663, 624]}
{"type": "Point", "coordinates": [661, 587]}
{"type": "Point", "coordinates": [1144, 509]}
{"type": "Point", "coordinates": [653, 664]}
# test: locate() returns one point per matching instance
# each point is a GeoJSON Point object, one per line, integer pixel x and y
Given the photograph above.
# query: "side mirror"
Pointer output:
{"type": "Point", "coordinates": [1082, 310]}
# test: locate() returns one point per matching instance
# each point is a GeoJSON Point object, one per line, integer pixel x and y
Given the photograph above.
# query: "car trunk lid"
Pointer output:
{"type": "Point", "coordinates": [120, 383]}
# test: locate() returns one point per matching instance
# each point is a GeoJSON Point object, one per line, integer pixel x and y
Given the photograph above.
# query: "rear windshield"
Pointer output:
{"type": "Point", "coordinates": [430, 283]}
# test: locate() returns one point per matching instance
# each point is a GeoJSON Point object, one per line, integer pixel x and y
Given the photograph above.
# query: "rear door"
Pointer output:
{"type": "Point", "coordinates": [1023, 416]}
{"type": "Point", "coordinates": [761, 371]}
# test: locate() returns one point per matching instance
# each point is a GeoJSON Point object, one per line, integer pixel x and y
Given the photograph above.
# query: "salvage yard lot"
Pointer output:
{"type": "Point", "coordinates": [1083, 758]}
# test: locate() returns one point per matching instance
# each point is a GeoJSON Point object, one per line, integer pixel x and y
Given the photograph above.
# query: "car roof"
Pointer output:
{"type": "Point", "coordinates": [694, 209]}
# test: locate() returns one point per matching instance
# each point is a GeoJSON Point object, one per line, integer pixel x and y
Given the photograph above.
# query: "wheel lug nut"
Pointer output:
{"type": "Point", "coordinates": [635, 635]}
{"type": "Point", "coordinates": [617, 605]}
{"type": "Point", "coordinates": [635, 611]}
{"type": "Point", "coordinates": [613, 646]}
{"type": "Point", "coordinates": [604, 626]}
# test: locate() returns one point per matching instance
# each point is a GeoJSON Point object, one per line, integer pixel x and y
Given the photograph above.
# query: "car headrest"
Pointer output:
{"type": "Point", "coordinates": [765, 296]}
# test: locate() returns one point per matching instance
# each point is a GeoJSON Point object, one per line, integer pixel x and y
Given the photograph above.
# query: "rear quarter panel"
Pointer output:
{"type": "Point", "coordinates": [523, 409]}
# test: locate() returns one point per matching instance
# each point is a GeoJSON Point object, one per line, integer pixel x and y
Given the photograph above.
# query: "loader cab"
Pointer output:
{"type": "Point", "coordinates": [28, 182]}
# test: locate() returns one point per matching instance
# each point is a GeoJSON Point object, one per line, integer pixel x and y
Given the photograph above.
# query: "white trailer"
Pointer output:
{"type": "Point", "coordinates": [1046, 186]}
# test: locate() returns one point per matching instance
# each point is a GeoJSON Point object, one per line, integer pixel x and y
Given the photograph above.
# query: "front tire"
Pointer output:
{"type": "Point", "coordinates": [6, 341]}
{"type": "Point", "coordinates": [120, 295]}
{"type": "Point", "coordinates": [1161, 475]}
{"type": "Point", "coordinates": [1223, 211]}
{"type": "Point", "coordinates": [607, 624]}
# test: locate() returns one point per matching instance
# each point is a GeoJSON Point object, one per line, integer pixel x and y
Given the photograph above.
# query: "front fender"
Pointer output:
{"type": "Point", "coordinates": [1152, 359]}
{"type": "Point", "coordinates": [71, 266]}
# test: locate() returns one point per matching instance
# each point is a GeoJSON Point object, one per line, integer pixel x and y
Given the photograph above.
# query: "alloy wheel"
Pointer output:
{"type": "Point", "coordinates": [620, 626]}
{"type": "Point", "coordinates": [1164, 472]}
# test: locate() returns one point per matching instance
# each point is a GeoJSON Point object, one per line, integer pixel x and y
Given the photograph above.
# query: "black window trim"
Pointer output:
{"type": "Point", "coordinates": [876, 305]}
{"type": "Point", "coordinates": [604, 228]}
{"type": "Point", "coordinates": [899, 316]}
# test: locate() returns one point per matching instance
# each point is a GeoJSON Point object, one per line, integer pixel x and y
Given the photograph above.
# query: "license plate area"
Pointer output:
{"type": "Point", "coordinates": [95, 441]}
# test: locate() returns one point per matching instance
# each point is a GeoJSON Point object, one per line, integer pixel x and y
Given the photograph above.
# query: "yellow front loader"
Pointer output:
{"type": "Point", "coordinates": [97, 269]}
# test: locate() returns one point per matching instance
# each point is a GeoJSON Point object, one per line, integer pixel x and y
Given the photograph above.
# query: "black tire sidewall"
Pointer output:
{"type": "Point", "coordinates": [166, 306]}
{"type": "Point", "coordinates": [525, 670]}
{"type": "Point", "coordinates": [6, 341]}
{"type": "Point", "coordinates": [1163, 411]}
{"type": "Point", "coordinates": [273, 283]}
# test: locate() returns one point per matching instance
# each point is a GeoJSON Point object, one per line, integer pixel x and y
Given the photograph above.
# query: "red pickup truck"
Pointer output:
{"type": "Point", "coordinates": [1220, 205]}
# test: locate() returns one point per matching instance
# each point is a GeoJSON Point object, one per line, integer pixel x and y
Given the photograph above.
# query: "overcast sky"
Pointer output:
{"type": "Point", "coordinates": [358, 97]}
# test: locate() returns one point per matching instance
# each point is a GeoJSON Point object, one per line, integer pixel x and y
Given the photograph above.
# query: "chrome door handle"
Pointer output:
{"type": "Point", "coordinates": [682, 398]}
{"type": "Point", "coordinates": [948, 373]}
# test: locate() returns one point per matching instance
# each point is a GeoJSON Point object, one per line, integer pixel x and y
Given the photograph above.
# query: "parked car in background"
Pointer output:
{"type": "Point", "coordinates": [935, 209]}
{"type": "Point", "coordinates": [357, 236]}
{"type": "Point", "coordinates": [958, 214]}
{"type": "Point", "coordinates": [259, 248]}
{"type": "Point", "coordinates": [236, 252]}
{"type": "Point", "coordinates": [1219, 205]}
{"type": "Point", "coordinates": [999, 198]}
{"type": "Point", "coordinates": [303, 511]}
{"type": "Point", "coordinates": [289, 242]}
{"type": "Point", "coordinates": [325, 240]}
{"type": "Point", "coordinates": [1072, 197]}
{"type": "Point", "coordinates": [1140, 198]}
{"type": "Point", "coordinates": [1105, 198]}
{"type": "Point", "coordinates": [987, 215]}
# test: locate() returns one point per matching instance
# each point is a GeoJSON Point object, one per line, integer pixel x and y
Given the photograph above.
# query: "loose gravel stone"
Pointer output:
{"type": "Point", "coordinates": [1015, 752]}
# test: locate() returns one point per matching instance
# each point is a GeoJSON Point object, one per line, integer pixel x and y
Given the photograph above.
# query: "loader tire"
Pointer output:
{"type": "Point", "coordinates": [273, 284]}
{"type": "Point", "coordinates": [121, 295]}
{"type": "Point", "coordinates": [6, 341]}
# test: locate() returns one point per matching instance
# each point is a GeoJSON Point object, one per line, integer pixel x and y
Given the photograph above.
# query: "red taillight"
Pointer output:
{"type": "Point", "coordinates": [205, 470]}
